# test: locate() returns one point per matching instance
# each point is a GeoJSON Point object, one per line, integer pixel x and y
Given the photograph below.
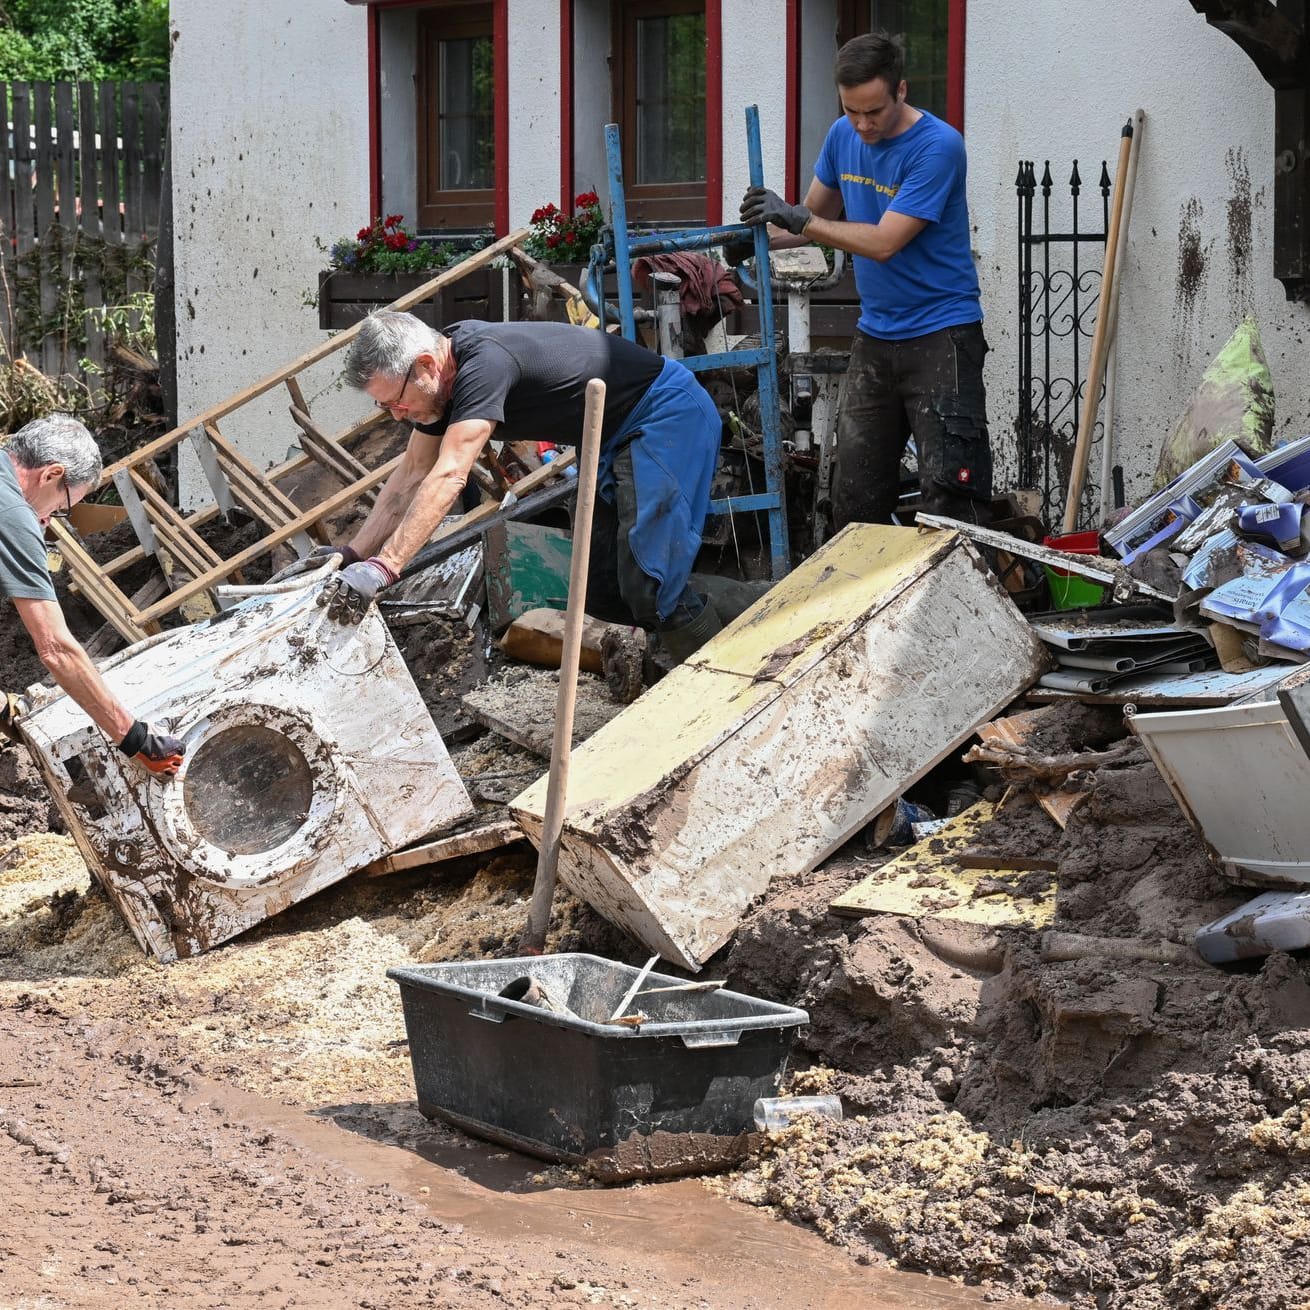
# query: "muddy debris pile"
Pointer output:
{"type": "Point", "coordinates": [1089, 1111]}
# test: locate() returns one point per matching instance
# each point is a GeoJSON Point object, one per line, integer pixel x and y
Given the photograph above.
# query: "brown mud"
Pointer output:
{"type": "Point", "coordinates": [1095, 1132]}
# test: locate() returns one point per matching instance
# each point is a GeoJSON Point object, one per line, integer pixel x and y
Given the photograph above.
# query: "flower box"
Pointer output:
{"type": "Point", "coordinates": [345, 298]}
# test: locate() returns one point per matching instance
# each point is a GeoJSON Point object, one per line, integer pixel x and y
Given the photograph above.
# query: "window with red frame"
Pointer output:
{"type": "Point", "coordinates": [925, 25]}
{"type": "Point", "coordinates": [659, 104]}
{"type": "Point", "coordinates": [456, 129]}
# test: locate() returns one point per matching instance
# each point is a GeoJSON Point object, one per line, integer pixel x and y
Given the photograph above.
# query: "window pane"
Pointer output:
{"type": "Point", "coordinates": [923, 24]}
{"type": "Point", "coordinates": [464, 115]}
{"type": "Point", "coordinates": [671, 99]}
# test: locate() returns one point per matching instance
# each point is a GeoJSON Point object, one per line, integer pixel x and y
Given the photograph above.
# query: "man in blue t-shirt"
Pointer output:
{"type": "Point", "coordinates": [889, 188]}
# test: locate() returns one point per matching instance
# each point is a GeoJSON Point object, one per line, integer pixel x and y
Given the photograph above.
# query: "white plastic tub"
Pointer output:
{"type": "Point", "coordinates": [1242, 777]}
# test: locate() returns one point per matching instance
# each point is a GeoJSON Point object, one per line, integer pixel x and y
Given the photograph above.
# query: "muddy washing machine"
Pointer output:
{"type": "Point", "coordinates": [309, 754]}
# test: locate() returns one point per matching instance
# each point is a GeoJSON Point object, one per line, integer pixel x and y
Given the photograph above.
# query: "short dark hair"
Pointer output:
{"type": "Point", "coordinates": [874, 55]}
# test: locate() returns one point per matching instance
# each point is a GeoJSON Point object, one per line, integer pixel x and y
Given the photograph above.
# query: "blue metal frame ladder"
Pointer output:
{"type": "Point", "coordinates": [619, 247]}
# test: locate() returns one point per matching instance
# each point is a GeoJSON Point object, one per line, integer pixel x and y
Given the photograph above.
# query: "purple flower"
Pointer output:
{"type": "Point", "coordinates": [413, 245]}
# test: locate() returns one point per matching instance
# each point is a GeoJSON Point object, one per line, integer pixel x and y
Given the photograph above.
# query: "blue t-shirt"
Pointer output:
{"type": "Point", "coordinates": [931, 283]}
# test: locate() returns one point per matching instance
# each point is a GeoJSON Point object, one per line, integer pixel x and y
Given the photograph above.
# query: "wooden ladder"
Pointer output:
{"type": "Point", "coordinates": [191, 567]}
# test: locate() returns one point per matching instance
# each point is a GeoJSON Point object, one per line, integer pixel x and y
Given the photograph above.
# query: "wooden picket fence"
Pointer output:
{"type": "Point", "coordinates": [80, 199]}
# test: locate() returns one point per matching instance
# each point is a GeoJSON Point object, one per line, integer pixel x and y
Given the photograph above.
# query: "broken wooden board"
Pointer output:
{"type": "Point", "coordinates": [489, 837]}
{"type": "Point", "coordinates": [928, 882]}
{"type": "Point", "coordinates": [783, 736]}
{"type": "Point", "coordinates": [1095, 568]}
{"type": "Point", "coordinates": [1014, 731]}
{"type": "Point", "coordinates": [521, 707]}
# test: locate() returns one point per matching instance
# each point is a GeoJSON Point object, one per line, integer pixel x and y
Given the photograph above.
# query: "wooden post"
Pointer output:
{"type": "Point", "coordinates": [543, 891]}
{"type": "Point", "coordinates": [1100, 340]}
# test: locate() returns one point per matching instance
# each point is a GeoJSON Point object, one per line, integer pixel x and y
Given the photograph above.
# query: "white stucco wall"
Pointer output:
{"type": "Point", "coordinates": [591, 96]}
{"type": "Point", "coordinates": [1053, 80]}
{"type": "Point", "coordinates": [269, 145]}
{"type": "Point", "coordinates": [754, 72]}
{"type": "Point", "coordinates": [398, 109]}
{"type": "Point", "coordinates": [534, 105]}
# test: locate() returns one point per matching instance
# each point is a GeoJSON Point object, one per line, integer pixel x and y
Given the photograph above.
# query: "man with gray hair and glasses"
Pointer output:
{"type": "Point", "coordinates": [659, 449]}
{"type": "Point", "coordinates": [46, 467]}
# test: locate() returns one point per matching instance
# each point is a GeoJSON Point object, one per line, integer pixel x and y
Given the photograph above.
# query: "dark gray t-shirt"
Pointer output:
{"type": "Point", "coordinates": [531, 378]}
{"type": "Point", "coordinates": [24, 574]}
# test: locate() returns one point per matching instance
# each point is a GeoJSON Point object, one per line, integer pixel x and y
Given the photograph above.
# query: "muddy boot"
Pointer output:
{"type": "Point", "coordinates": [730, 597]}
{"type": "Point", "coordinates": [673, 645]}
{"type": "Point", "coordinates": [623, 659]}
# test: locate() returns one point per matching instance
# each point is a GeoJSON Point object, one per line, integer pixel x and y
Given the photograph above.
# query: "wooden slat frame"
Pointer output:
{"type": "Point", "coordinates": [266, 501]}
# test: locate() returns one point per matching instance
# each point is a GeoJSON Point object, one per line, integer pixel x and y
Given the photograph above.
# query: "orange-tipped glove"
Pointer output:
{"type": "Point", "coordinates": [159, 752]}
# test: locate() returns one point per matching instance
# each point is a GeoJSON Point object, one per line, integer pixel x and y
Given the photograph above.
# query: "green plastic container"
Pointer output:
{"type": "Point", "coordinates": [1068, 590]}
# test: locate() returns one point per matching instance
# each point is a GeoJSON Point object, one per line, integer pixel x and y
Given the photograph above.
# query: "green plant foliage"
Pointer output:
{"type": "Point", "coordinates": [385, 246]}
{"type": "Point", "coordinates": [94, 40]}
{"type": "Point", "coordinates": [561, 238]}
{"type": "Point", "coordinates": [65, 260]}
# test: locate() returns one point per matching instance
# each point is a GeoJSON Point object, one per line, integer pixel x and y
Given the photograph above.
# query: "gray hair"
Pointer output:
{"type": "Point", "coordinates": [387, 344]}
{"type": "Point", "coordinates": [58, 439]}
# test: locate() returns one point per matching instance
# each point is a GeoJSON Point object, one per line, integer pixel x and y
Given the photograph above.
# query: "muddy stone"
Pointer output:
{"type": "Point", "coordinates": [25, 804]}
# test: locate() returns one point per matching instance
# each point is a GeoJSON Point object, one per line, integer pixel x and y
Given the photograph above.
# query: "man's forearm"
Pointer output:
{"type": "Point", "coordinates": [386, 514]}
{"type": "Point", "coordinates": [434, 499]}
{"type": "Point", "coordinates": [71, 668]}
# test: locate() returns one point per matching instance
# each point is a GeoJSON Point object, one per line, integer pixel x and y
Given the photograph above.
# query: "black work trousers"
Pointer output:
{"type": "Point", "coordinates": [930, 387]}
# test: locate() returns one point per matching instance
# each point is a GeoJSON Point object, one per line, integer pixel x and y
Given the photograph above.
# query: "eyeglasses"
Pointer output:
{"type": "Point", "coordinates": [68, 498]}
{"type": "Point", "coordinates": [389, 405]}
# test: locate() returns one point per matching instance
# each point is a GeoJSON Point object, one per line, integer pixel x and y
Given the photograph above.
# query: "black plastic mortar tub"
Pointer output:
{"type": "Point", "coordinates": [567, 1086]}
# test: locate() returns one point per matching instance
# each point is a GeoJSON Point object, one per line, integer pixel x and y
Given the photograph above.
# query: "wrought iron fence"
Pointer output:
{"type": "Point", "coordinates": [1059, 292]}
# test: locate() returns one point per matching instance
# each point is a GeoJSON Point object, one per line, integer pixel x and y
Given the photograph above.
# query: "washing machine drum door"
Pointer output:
{"type": "Point", "coordinates": [254, 798]}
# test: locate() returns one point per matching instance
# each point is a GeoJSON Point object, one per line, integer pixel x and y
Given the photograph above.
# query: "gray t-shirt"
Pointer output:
{"type": "Point", "coordinates": [24, 574]}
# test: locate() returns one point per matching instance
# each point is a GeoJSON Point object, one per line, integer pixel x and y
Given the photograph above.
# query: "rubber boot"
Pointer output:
{"type": "Point", "coordinates": [730, 597]}
{"type": "Point", "coordinates": [676, 644]}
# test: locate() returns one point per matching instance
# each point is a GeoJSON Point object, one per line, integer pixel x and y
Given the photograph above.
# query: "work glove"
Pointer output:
{"type": "Point", "coordinates": [159, 752]}
{"type": "Point", "coordinates": [760, 205]}
{"type": "Point", "coordinates": [314, 561]}
{"type": "Point", "coordinates": [348, 594]}
{"type": "Point", "coordinates": [736, 253]}
{"type": "Point", "coordinates": [12, 708]}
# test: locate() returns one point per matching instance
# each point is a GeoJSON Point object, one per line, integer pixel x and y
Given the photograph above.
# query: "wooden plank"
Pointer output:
{"type": "Point", "coordinates": [103, 594]}
{"type": "Point", "coordinates": [322, 511]}
{"type": "Point", "coordinates": [325, 451]}
{"type": "Point", "coordinates": [928, 881]}
{"type": "Point", "coordinates": [112, 229]}
{"type": "Point", "coordinates": [190, 550]}
{"type": "Point", "coordinates": [489, 837]}
{"type": "Point", "coordinates": [44, 157]}
{"type": "Point", "coordinates": [88, 162]}
{"type": "Point", "coordinates": [203, 514]}
{"type": "Point", "coordinates": [1015, 730]}
{"type": "Point", "coordinates": [1096, 568]}
{"type": "Point", "coordinates": [322, 351]}
{"type": "Point", "coordinates": [65, 157]}
{"type": "Point", "coordinates": [133, 209]}
{"type": "Point", "coordinates": [297, 396]}
{"type": "Point", "coordinates": [24, 211]}
{"type": "Point", "coordinates": [232, 459]}
{"type": "Point", "coordinates": [102, 642]}
{"type": "Point", "coordinates": [154, 124]}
